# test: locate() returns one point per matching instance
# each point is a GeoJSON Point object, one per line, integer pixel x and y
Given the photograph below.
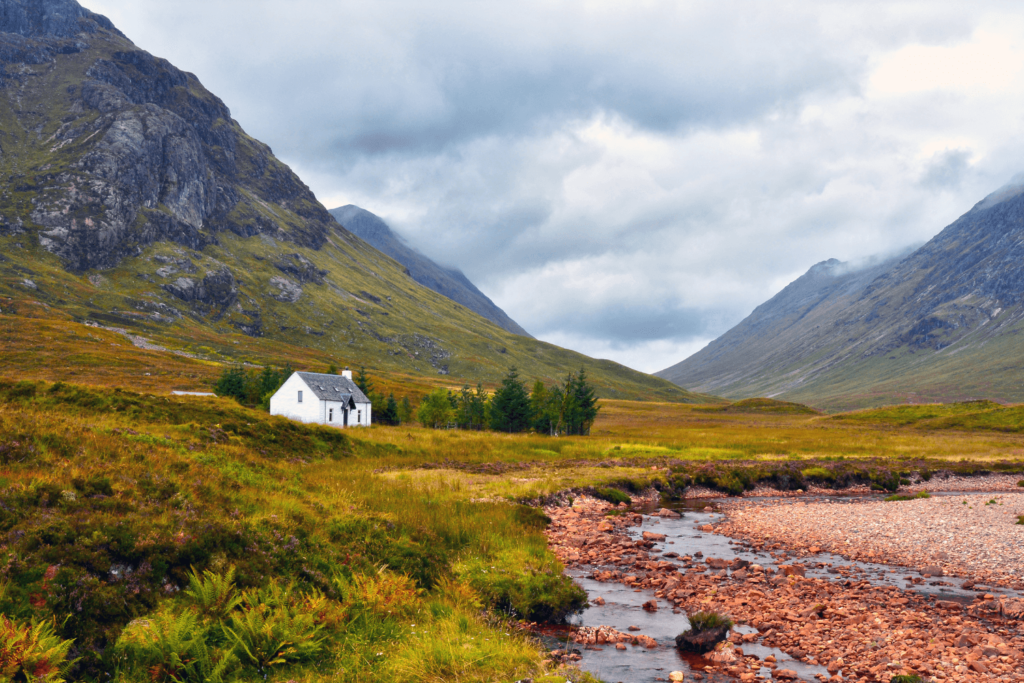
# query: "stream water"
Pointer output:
{"type": "Point", "coordinates": [684, 536]}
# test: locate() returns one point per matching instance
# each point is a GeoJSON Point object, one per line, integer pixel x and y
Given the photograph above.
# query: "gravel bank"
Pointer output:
{"type": "Point", "coordinates": [979, 540]}
{"type": "Point", "coordinates": [858, 631]}
{"type": "Point", "coordinates": [940, 482]}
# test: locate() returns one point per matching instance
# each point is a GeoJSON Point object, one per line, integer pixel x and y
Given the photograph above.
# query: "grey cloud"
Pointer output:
{"type": "Point", "coordinates": [712, 152]}
{"type": "Point", "coordinates": [625, 324]}
{"type": "Point", "coordinates": [947, 169]}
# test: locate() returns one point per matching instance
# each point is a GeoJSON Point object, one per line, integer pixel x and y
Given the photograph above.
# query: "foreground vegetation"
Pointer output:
{"type": "Point", "coordinates": [155, 537]}
{"type": "Point", "coordinates": [112, 503]}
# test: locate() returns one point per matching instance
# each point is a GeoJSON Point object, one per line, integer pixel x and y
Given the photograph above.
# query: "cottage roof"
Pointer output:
{"type": "Point", "coordinates": [333, 387]}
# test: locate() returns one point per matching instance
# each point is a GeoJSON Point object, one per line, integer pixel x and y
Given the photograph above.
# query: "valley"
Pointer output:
{"type": "Point", "coordinates": [831, 490]}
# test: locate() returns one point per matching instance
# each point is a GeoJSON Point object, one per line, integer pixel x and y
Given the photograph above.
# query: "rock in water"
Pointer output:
{"type": "Point", "coordinates": [702, 641]}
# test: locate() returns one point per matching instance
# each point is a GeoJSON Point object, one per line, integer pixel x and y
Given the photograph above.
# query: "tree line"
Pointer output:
{"type": "Point", "coordinates": [569, 408]}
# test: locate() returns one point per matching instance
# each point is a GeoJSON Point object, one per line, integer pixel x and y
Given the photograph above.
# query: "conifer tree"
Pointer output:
{"type": "Point", "coordinates": [510, 405]}
{"type": "Point", "coordinates": [389, 413]}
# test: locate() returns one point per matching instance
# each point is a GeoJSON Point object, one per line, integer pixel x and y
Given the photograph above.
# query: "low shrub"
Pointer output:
{"type": "Point", "coordinates": [267, 635]}
{"type": "Point", "coordinates": [613, 496]}
{"type": "Point", "coordinates": [886, 481]}
{"type": "Point", "coordinates": [536, 593]}
{"type": "Point", "coordinates": [904, 678]}
{"type": "Point", "coordinates": [1021, 483]}
{"type": "Point", "coordinates": [707, 629]}
{"type": "Point", "coordinates": [705, 621]}
{"type": "Point", "coordinates": [213, 595]}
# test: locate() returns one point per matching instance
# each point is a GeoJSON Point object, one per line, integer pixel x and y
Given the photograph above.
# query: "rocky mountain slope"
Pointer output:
{"type": "Point", "coordinates": [942, 323]}
{"type": "Point", "coordinates": [450, 282]}
{"type": "Point", "coordinates": [130, 198]}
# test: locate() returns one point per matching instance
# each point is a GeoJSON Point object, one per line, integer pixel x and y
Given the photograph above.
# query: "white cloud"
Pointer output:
{"type": "Point", "coordinates": [989, 62]}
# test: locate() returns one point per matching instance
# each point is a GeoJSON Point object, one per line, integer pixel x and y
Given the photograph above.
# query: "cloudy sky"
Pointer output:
{"type": "Point", "coordinates": [628, 179]}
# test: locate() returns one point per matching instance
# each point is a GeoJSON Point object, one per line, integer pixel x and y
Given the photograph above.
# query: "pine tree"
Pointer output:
{"type": "Point", "coordinates": [363, 382]}
{"type": "Point", "coordinates": [389, 413]}
{"type": "Point", "coordinates": [540, 411]}
{"type": "Point", "coordinates": [586, 403]}
{"type": "Point", "coordinates": [510, 405]}
{"type": "Point", "coordinates": [366, 386]}
{"type": "Point", "coordinates": [231, 383]}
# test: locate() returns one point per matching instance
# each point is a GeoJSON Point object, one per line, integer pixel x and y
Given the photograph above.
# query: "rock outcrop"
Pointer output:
{"type": "Point", "coordinates": [146, 153]}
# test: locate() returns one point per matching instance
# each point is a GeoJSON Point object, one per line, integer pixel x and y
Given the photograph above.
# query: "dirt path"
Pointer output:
{"type": "Point", "coordinates": [860, 632]}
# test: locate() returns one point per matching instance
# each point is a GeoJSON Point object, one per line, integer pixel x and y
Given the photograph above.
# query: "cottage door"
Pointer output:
{"type": "Point", "coordinates": [344, 417]}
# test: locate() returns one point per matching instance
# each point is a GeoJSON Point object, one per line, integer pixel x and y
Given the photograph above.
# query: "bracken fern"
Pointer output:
{"type": "Point", "coordinates": [213, 595]}
{"type": "Point", "coordinates": [173, 648]}
{"type": "Point", "coordinates": [32, 650]}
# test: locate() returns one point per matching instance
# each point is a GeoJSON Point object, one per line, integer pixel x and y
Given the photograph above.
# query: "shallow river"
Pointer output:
{"type": "Point", "coordinates": [622, 608]}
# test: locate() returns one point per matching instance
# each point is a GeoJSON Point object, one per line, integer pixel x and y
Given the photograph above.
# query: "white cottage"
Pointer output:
{"type": "Point", "coordinates": [332, 400]}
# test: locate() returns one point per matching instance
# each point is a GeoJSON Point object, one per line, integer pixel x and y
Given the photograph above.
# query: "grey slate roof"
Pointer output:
{"type": "Point", "coordinates": [333, 387]}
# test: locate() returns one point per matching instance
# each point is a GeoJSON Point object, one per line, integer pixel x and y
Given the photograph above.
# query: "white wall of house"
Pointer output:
{"type": "Point", "coordinates": [361, 416]}
{"type": "Point", "coordinates": [286, 402]}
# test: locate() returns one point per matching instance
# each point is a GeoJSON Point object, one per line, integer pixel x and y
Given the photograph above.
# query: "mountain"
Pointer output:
{"type": "Point", "coordinates": [449, 282]}
{"type": "Point", "coordinates": [129, 198]}
{"type": "Point", "coordinates": [941, 323]}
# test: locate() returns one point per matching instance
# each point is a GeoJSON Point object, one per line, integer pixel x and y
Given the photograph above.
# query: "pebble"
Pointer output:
{"type": "Point", "coordinates": [858, 631]}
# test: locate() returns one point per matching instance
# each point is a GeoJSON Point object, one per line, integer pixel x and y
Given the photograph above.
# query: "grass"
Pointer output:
{"type": "Point", "coordinates": [763, 405]}
{"type": "Point", "coordinates": [706, 621]}
{"type": "Point", "coordinates": [117, 502]}
{"type": "Point", "coordinates": [899, 497]}
{"type": "Point", "coordinates": [116, 498]}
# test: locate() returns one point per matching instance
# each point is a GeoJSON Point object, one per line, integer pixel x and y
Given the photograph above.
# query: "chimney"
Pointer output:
{"type": "Point", "coordinates": [346, 373]}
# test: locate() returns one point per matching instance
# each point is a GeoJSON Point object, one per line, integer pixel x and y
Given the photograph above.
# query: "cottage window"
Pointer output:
{"type": "Point", "coordinates": [300, 397]}
{"type": "Point", "coordinates": [330, 415]}
{"type": "Point", "coordinates": [359, 416]}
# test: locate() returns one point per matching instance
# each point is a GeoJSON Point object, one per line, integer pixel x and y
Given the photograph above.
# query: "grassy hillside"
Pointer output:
{"type": "Point", "coordinates": [971, 369]}
{"type": "Point", "coordinates": [965, 416]}
{"type": "Point", "coordinates": [364, 312]}
{"type": "Point", "coordinates": [192, 234]}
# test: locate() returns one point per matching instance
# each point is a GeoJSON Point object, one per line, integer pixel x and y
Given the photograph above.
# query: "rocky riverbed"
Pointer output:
{"type": "Point", "coordinates": [855, 628]}
{"type": "Point", "coordinates": [973, 536]}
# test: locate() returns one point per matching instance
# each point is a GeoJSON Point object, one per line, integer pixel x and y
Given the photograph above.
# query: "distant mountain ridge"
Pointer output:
{"type": "Point", "coordinates": [449, 282]}
{"type": "Point", "coordinates": [944, 322]}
